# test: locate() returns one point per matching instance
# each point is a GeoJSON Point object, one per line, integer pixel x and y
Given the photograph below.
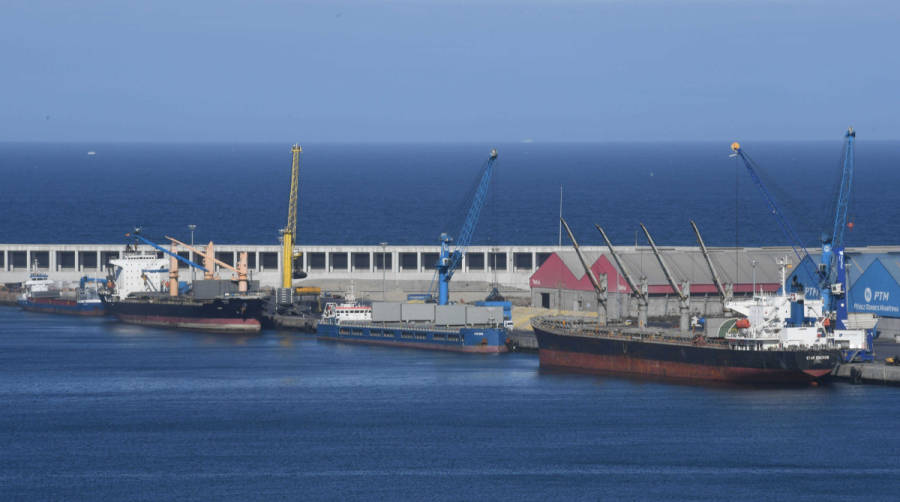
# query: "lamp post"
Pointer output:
{"type": "Point", "coordinates": [383, 263]}
{"type": "Point", "coordinates": [192, 228]}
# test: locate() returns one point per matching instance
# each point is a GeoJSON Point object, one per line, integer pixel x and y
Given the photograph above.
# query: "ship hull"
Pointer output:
{"type": "Point", "coordinates": [681, 362]}
{"type": "Point", "coordinates": [221, 315]}
{"type": "Point", "coordinates": [465, 340]}
{"type": "Point", "coordinates": [60, 306]}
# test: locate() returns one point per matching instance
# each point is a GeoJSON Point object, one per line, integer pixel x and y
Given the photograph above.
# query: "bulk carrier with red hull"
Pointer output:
{"type": "Point", "coordinates": [583, 345]}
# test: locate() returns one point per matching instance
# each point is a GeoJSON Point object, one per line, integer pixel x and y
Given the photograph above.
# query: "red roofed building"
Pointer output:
{"type": "Point", "coordinates": [560, 282]}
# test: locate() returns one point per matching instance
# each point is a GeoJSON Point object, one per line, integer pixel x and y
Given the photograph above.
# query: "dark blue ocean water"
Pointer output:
{"type": "Point", "coordinates": [409, 194]}
{"type": "Point", "coordinates": [93, 410]}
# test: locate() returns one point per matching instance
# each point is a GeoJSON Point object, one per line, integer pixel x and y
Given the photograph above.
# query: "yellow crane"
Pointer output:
{"type": "Point", "coordinates": [289, 233]}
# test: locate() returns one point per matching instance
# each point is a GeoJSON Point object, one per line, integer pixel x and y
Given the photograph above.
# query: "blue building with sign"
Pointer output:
{"type": "Point", "coordinates": [807, 274]}
{"type": "Point", "coordinates": [877, 290]}
{"type": "Point", "coordinates": [873, 285]}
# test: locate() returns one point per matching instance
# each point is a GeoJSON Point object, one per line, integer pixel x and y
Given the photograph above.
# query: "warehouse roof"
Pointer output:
{"type": "Point", "coordinates": [564, 270]}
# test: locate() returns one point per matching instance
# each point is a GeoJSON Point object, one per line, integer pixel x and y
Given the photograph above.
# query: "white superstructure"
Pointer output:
{"type": "Point", "coordinates": [768, 324]}
{"type": "Point", "coordinates": [138, 271]}
{"type": "Point", "coordinates": [349, 311]}
{"type": "Point", "coordinates": [39, 285]}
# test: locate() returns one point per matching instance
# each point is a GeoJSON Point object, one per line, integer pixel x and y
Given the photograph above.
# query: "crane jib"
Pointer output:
{"type": "Point", "coordinates": [786, 228]}
{"type": "Point", "coordinates": [166, 251]}
{"type": "Point", "coordinates": [450, 260]}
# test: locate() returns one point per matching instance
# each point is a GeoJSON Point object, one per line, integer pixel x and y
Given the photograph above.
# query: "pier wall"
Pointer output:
{"type": "Point", "coordinates": [509, 266]}
{"type": "Point", "coordinates": [371, 270]}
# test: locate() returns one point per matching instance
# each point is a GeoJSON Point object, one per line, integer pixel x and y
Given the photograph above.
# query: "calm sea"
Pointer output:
{"type": "Point", "coordinates": [94, 410]}
{"type": "Point", "coordinates": [409, 194]}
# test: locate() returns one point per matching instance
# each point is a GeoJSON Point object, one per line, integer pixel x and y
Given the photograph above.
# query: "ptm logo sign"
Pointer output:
{"type": "Point", "coordinates": [878, 296]}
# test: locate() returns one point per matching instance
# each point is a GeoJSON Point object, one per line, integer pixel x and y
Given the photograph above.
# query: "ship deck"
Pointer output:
{"type": "Point", "coordinates": [588, 327]}
{"type": "Point", "coordinates": [414, 326]}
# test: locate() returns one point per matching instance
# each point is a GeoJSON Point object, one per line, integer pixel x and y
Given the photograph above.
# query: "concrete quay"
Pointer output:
{"type": "Point", "coordinates": [876, 372]}
{"type": "Point", "coordinates": [410, 268]}
{"type": "Point", "coordinates": [369, 270]}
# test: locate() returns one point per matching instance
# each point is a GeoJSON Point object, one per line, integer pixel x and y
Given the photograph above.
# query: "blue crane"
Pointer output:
{"type": "Point", "coordinates": [832, 276]}
{"type": "Point", "coordinates": [786, 226]}
{"type": "Point", "coordinates": [450, 260]}
{"type": "Point", "coordinates": [137, 235]}
{"type": "Point", "coordinates": [832, 263]}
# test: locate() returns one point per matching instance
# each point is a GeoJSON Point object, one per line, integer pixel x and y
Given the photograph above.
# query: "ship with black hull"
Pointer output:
{"type": "Point", "coordinates": [583, 345]}
{"type": "Point", "coordinates": [770, 338]}
{"type": "Point", "coordinates": [232, 314]}
{"type": "Point", "coordinates": [145, 290]}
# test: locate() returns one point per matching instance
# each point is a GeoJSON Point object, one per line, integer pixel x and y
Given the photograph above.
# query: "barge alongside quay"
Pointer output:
{"type": "Point", "coordinates": [456, 328]}
{"type": "Point", "coordinates": [43, 295]}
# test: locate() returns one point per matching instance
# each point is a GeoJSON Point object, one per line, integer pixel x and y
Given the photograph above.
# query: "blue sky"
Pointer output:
{"type": "Point", "coordinates": [437, 70]}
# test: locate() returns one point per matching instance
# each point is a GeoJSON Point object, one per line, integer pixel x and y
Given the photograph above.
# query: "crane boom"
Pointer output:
{"type": "Point", "coordinates": [201, 252]}
{"type": "Point", "coordinates": [668, 273]}
{"type": "Point", "coordinates": [289, 234]}
{"type": "Point", "coordinates": [240, 271]}
{"type": "Point", "coordinates": [631, 284]}
{"type": "Point", "coordinates": [832, 278]}
{"type": "Point", "coordinates": [450, 260]}
{"type": "Point", "coordinates": [843, 203]}
{"type": "Point", "coordinates": [150, 243]}
{"type": "Point", "coordinates": [587, 270]}
{"type": "Point", "coordinates": [709, 263]}
{"type": "Point", "coordinates": [600, 289]}
{"type": "Point", "coordinates": [786, 227]}
{"type": "Point", "coordinates": [638, 292]}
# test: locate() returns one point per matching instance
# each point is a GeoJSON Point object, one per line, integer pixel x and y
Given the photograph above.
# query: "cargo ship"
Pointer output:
{"type": "Point", "coordinates": [229, 314]}
{"type": "Point", "coordinates": [456, 328]}
{"type": "Point", "coordinates": [41, 294]}
{"type": "Point", "coordinates": [145, 290]}
{"type": "Point", "coordinates": [776, 339]}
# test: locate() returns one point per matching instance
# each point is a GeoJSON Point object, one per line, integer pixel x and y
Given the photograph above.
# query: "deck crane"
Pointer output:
{"type": "Point", "coordinates": [683, 290]}
{"type": "Point", "coordinates": [600, 286]}
{"type": "Point", "coordinates": [174, 258]}
{"type": "Point", "coordinates": [137, 234]}
{"type": "Point", "coordinates": [832, 263]}
{"type": "Point", "coordinates": [639, 292]}
{"type": "Point", "coordinates": [289, 232]}
{"type": "Point", "coordinates": [210, 259]}
{"type": "Point", "coordinates": [449, 260]}
{"type": "Point", "coordinates": [725, 291]}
